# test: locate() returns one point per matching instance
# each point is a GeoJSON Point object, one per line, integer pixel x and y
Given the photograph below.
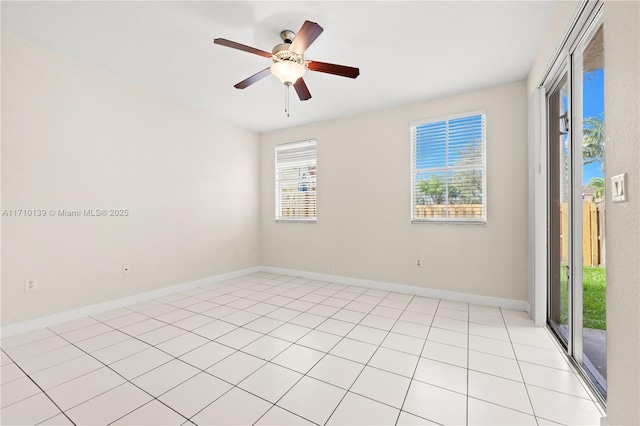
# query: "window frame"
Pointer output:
{"type": "Point", "coordinates": [277, 199]}
{"type": "Point", "coordinates": [414, 171]}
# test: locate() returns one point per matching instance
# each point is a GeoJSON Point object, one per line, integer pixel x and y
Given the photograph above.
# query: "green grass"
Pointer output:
{"type": "Point", "coordinates": [594, 299]}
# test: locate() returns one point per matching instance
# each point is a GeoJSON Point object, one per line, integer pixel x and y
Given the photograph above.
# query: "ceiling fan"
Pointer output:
{"type": "Point", "coordinates": [289, 64]}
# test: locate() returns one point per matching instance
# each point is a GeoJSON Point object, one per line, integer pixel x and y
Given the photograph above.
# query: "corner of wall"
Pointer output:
{"type": "Point", "coordinates": [565, 13]}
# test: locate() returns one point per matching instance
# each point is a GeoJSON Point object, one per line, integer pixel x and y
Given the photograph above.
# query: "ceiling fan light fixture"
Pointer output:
{"type": "Point", "coordinates": [288, 72]}
{"type": "Point", "coordinates": [289, 64]}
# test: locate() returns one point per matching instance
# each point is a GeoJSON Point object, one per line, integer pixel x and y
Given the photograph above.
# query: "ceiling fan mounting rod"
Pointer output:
{"type": "Point", "coordinates": [287, 36]}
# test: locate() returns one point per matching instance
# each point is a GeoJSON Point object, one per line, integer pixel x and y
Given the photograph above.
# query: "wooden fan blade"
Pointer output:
{"type": "Point", "coordinates": [244, 48]}
{"type": "Point", "coordinates": [308, 33]}
{"type": "Point", "coordinates": [302, 90]}
{"type": "Point", "coordinates": [340, 70]}
{"type": "Point", "coordinates": [253, 79]}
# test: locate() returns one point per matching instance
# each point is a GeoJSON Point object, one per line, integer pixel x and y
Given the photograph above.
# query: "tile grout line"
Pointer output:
{"type": "Point", "coordinates": [505, 378]}
{"type": "Point", "coordinates": [404, 400]}
{"type": "Point", "coordinates": [469, 350]}
{"type": "Point", "coordinates": [267, 361]}
{"type": "Point", "coordinates": [372, 355]}
{"type": "Point", "coordinates": [108, 390]}
{"type": "Point", "coordinates": [351, 360]}
{"type": "Point", "coordinates": [325, 355]}
{"type": "Point", "coordinates": [203, 371]}
{"type": "Point", "coordinates": [43, 392]}
{"type": "Point", "coordinates": [520, 370]}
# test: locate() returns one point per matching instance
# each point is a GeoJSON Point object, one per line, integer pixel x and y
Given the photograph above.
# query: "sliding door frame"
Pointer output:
{"type": "Point", "coordinates": [562, 77]}
{"type": "Point", "coordinates": [577, 51]}
{"type": "Point", "coordinates": [584, 25]}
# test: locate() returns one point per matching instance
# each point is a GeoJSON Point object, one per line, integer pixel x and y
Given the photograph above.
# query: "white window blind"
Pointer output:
{"type": "Point", "coordinates": [296, 181]}
{"type": "Point", "coordinates": [448, 173]}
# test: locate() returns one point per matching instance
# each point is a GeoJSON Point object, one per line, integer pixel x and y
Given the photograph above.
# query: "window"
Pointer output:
{"type": "Point", "coordinates": [296, 181]}
{"type": "Point", "coordinates": [448, 179]}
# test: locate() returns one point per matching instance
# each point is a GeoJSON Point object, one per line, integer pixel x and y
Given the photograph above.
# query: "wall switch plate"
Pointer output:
{"type": "Point", "coordinates": [618, 188]}
{"type": "Point", "coordinates": [30, 284]}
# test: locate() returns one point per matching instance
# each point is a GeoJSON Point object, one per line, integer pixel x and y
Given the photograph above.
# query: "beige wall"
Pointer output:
{"type": "Point", "coordinates": [74, 137]}
{"type": "Point", "coordinates": [622, 109]}
{"type": "Point", "coordinates": [363, 228]}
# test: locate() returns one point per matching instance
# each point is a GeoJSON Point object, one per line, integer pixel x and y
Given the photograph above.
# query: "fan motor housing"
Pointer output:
{"type": "Point", "coordinates": [282, 53]}
{"type": "Point", "coordinates": [280, 48]}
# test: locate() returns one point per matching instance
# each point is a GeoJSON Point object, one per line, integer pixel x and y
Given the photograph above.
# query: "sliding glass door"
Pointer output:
{"type": "Point", "coordinates": [590, 278]}
{"type": "Point", "coordinates": [576, 200]}
{"type": "Point", "coordinates": [559, 213]}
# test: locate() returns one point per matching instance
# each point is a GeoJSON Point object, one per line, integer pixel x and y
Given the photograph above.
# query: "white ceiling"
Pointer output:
{"type": "Point", "coordinates": [407, 52]}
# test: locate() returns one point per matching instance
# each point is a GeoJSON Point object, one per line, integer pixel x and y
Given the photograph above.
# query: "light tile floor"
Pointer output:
{"type": "Point", "coordinates": [269, 349]}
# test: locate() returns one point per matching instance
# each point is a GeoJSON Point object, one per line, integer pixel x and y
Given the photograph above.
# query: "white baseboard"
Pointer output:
{"type": "Point", "coordinates": [518, 305]}
{"type": "Point", "coordinates": [51, 320]}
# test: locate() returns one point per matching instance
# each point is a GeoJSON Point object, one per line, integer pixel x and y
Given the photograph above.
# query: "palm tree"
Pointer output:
{"type": "Point", "coordinates": [599, 184]}
{"type": "Point", "coordinates": [593, 141]}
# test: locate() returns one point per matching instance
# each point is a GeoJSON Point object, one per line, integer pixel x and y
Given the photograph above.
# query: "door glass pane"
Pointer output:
{"type": "Point", "coordinates": [560, 185]}
{"type": "Point", "coordinates": [593, 213]}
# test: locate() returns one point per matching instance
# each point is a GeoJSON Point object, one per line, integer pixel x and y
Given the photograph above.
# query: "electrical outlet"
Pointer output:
{"type": "Point", "coordinates": [30, 284]}
{"type": "Point", "coordinates": [419, 263]}
{"type": "Point", "coordinates": [125, 270]}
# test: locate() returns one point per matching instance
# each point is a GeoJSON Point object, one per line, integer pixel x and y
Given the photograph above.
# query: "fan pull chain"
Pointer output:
{"type": "Point", "coordinates": [286, 99]}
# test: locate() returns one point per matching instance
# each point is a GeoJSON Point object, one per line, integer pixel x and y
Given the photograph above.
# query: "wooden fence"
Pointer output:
{"type": "Point", "coordinates": [593, 248]}
{"type": "Point", "coordinates": [439, 211]}
{"type": "Point", "coordinates": [298, 204]}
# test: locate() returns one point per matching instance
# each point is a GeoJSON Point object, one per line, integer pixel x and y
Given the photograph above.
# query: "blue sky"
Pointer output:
{"type": "Point", "coordinates": [446, 143]}
{"type": "Point", "coordinates": [593, 106]}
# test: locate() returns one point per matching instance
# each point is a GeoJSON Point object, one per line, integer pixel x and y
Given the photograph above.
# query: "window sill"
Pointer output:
{"type": "Point", "coordinates": [295, 220]}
